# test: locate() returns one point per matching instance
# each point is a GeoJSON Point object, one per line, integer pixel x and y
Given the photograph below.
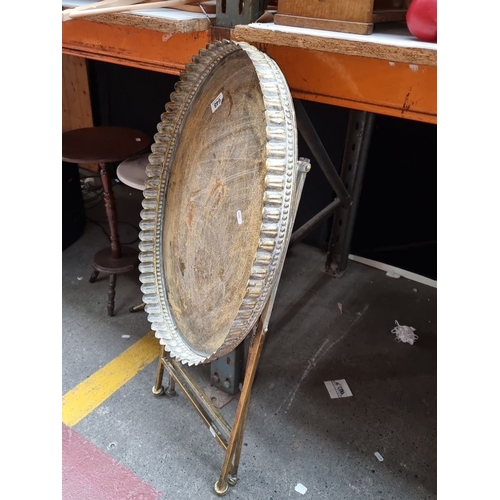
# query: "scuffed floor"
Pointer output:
{"type": "Point", "coordinates": [378, 444]}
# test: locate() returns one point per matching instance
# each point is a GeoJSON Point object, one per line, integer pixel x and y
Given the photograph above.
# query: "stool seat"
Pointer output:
{"type": "Point", "coordinates": [132, 172]}
{"type": "Point", "coordinates": [105, 145]}
{"type": "Point", "coordinates": [102, 144]}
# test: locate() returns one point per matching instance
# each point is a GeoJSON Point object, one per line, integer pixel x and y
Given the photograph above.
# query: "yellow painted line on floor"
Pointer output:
{"type": "Point", "coordinates": [94, 390]}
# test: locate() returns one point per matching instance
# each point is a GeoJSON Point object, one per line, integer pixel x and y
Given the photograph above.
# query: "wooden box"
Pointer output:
{"type": "Point", "coordinates": [348, 16]}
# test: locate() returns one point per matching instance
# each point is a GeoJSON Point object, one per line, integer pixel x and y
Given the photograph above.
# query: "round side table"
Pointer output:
{"type": "Point", "coordinates": [105, 145]}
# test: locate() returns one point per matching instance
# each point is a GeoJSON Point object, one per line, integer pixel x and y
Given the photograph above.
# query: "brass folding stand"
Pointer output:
{"type": "Point", "coordinates": [230, 438]}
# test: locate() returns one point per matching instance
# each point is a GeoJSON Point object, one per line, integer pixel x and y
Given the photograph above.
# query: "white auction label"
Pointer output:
{"type": "Point", "coordinates": [216, 103]}
{"type": "Point", "coordinates": [338, 389]}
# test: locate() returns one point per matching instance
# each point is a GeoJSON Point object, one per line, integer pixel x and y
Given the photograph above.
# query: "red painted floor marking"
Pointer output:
{"type": "Point", "coordinates": [88, 473]}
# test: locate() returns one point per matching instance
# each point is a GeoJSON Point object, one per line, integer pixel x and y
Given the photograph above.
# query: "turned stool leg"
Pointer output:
{"type": "Point", "coordinates": [93, 276]}
{"type": "Point", "coordinates": [109, 204]}
{"type": "Point", "coordinates": [111, 294]}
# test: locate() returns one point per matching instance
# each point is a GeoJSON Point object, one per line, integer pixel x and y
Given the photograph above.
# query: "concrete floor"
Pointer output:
{"type": "Point", "coordinates": [295, 432]}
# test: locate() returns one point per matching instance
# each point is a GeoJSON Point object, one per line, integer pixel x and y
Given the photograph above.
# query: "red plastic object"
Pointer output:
{"type": "Point", "coordinates": [421, 19]}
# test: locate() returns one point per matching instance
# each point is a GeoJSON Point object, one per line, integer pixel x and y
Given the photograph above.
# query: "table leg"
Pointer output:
{"type": "Point", "coordinates": [109, 204]}
{"type": "Point", "coordinates": [111, 294]}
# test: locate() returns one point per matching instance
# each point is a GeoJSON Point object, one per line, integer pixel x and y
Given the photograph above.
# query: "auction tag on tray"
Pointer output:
{"type": "Point", "coordinates": [216, 103]}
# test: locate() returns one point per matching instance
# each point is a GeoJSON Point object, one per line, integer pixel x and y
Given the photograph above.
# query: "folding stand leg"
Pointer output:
{"type": "Point", "coordinates": [231, 439]}
{"type": "Point", "coordinates": [229, 469]}
{"type": "Point", "coordinates": [139, 307]}
{"type": "Point", "coordinates": [158, 388]}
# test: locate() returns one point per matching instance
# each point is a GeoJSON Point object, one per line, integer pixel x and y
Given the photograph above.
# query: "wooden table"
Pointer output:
{"type": "Point", "coordinates": [105, 145]}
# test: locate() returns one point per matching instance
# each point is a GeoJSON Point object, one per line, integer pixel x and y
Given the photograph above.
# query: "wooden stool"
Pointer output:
{"type": "Point", "coordinates": [104, 145]}
{"type": "Point", "coordinates": [132, 172]}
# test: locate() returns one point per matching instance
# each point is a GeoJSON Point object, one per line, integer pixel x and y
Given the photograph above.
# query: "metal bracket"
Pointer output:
{"type": "Point", "coordinates": [229, 13]}
{"type": "Point", "coordinates": [346, 186]}
{"type": "Point", "coordinates": [226, 373]}
{"type": "Point", "coordinates": [359, 133]}
{"type": "Point", "coordinates": [308, 132]}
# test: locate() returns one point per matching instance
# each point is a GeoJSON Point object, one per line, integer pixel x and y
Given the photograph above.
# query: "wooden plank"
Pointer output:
{"type": "Point", "coordinates": [161, 51]}
{"type": "Point", "coordinates": [157, 19]}
{"type": "Point", "coordinates": [365, 69]}
{"type": "Point", "coordinates": [186, 12]}
{"type": "Point", "coordinates": [76, 108]}
{"type": "Point", "coordinates": [151, 21]}
{"type": "Point", "coordinates": [386, 87]}
{"type": "Point", "coordinates": [345, 10]}
{"type": "Point", "coordinates": [390, 46]}
{"type": "Point", "coordinates": [114, 9]}
{"type": "Point", "coordinates": [89, 7]}
{"type": "Point", "coordinates": [76, 105]}
{"type": "Point", "coordinates": [324, 24]}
